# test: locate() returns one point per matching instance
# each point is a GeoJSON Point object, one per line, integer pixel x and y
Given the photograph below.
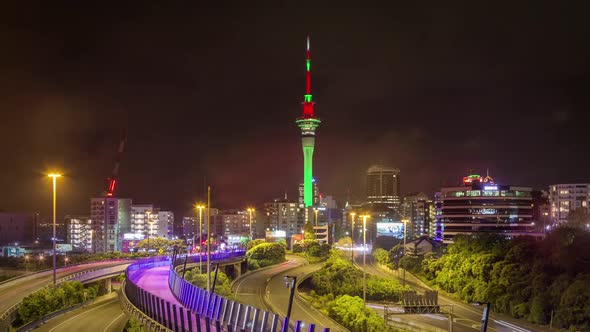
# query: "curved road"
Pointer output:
{"type": "Point", "coordinates": [105, 315]}
{"type": "Point", "coordinates": [266, 289]}
{"type": "Point", "coordinates": [14, 291]}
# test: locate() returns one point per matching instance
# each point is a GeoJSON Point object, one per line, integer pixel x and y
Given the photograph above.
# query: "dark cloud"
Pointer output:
{"type": "Point", "coordinates": [210, 95]}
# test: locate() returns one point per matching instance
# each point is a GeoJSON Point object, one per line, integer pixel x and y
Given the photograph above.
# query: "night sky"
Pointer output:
{"type": "Point", "coordinates": [436, 91]}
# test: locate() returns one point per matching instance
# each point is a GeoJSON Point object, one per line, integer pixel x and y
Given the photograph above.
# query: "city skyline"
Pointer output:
{"type": "Point", "coordinates": [426, 100]}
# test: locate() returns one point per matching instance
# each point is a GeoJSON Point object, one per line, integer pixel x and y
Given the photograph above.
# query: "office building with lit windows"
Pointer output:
{"type": "Point", "coordinates": [384, 187]}
{"type": "Point", "coordinates": [564, 198]}
{"type": "Point", "coordinates": [110, 220]}
{"type": "Point", "coordinates": [416, 209]}
{"type": "Point", "coordinates": [79, 232]}
{"type": "Point", "coordinates": [281, 215]}
{"type": "Point", "coordinates": [482, 206]}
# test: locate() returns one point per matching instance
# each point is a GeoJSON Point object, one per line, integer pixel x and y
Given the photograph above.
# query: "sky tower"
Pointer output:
{"type": "Point", "coordinates": [308, 123]}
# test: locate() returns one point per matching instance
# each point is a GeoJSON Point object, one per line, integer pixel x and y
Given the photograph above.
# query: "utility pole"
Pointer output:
{"type": "Point", "coordinates": [209, 238]}
{"type": "Point", "coordinates": [352, 214]}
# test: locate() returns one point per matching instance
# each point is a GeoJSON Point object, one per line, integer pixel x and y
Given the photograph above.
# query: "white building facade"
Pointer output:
{"type": "Point", "coordinates": [565, 198]}
{"type": "Point", "coordinates": [110, 220]}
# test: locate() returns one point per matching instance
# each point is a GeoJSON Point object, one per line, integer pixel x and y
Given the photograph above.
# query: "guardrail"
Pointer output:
{"type": "Point", "coordinates": [122, 261]}
{"type": "Point", "coordinates": [225, 314]}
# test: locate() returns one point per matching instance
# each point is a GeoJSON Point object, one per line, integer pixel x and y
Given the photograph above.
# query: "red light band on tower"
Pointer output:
{"type": "Point", "coordinates": [308, 111]}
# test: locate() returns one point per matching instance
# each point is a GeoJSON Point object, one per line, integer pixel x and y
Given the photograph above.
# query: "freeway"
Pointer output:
{"type": "Point", "coordinates": [266, 289]}
{"type": "Point", "coordinates": [105, 315]}
{"type": "Point", "coordinates": [14, 291]}
{"type": "Point", "coordinates": [467, 318]}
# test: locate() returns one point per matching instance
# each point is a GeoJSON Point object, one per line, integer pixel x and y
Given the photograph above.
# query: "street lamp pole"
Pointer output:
{"type": "Point", "coordinates": [148, 213]}
{"type": "Point", "coordinates": [250, 210]}
{"type": "Point", "coordinates": [405, 221]}
{"type": "Point", "coordinates": [208, 238]}
{"type": "Point", "coordinates": [315, 210]}
{"type": "Point", "coordinates": [200, 207]}
{"type": "Point", "coordinates": [365, 258]}
{"type": "Point", "coordinates": [352, 214]}
{"type": "Point", "coordinates": [54, 176]}
{"type": "Point", "coordinates": [291, 282]}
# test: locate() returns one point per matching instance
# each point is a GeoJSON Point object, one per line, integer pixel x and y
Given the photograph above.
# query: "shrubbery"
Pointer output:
{"type": "Point", "coordinates": [351, 313]}
{"type": "Point", "coordinates": [265, 254]}
{"type": "Point", "coordinates": [222, 286]}
{"type": "Point", "coordinates": [339, 277]}
{"type": "Point", "coordinates": [49, 299]}
{"type": "Point", "coordinates": [523, 277]}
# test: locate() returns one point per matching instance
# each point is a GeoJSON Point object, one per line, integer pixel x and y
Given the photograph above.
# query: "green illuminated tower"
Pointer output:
{"type": "Point", "coordinates": [308, 123]}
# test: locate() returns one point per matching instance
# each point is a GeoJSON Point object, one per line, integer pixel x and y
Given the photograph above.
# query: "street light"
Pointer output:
{"type": "Point", "coordinates": [27, 263]}
{"type": "Point", "coordinates": [485, 314]}
{"type": "Point", "coordinates": [352, 214]}
{"type": "Point", "coordinates": [250, 210]}
{"type": "Point", "coordinates": [148, 213]}
{"type": "Point", "coordinates": [66, 259]}
{"type": "Point", "coordinates": [365, 216]}
{"type": "Point", "coordinates": [209, 238]}
{"type": "Point", "coordinates": [290, 282]}
{"type": "Point", "coordinates": [315, 210]}
{"type": "Point", "coordinates": [54, 176]}
{"type": "Point", "coordinates": [200, 207]}
{"type": "Point", "coordinates": [405, 221]}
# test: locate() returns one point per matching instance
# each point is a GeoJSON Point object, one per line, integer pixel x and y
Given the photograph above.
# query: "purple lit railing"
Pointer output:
{"type": "Point", "coordinates": [225, 314]}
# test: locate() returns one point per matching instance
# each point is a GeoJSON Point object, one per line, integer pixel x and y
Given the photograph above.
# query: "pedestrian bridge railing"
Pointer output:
{"type": "Point", "coordinates": [155, 312]}
{"type": "Point", "coordinates": [224, 314]}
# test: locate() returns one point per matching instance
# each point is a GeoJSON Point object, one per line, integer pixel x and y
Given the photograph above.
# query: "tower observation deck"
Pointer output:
{"type": "Point", "coordinates": [308, 123]}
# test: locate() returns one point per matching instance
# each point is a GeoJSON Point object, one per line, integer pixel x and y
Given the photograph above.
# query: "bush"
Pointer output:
{"type": "Point", "coordinates": [297, 248]}
{"type": "Point", "coordinates": [254, 243]}
{"type": "Point", "coordinates": [339, 277]}
{"type": "Point", "coordinates": [352, 314]}
{"type": "Point", "coordinates": [265, 254]}
{"type": "Point", "coordinates": [222, 286]}
{"type": "Point", "coordinates": [49, 299]}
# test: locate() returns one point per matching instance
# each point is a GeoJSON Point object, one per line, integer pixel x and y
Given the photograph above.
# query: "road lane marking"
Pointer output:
{"type": "Point", "coordinates": [111, 323]}
{"type": "Point", "coordinates": [512, 326]}
{"type": "Point", "coordinates": [82, 313]}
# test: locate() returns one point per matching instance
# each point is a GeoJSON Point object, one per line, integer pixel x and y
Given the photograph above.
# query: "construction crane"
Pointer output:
{"type": "Point", "coordinates": [112, 180]}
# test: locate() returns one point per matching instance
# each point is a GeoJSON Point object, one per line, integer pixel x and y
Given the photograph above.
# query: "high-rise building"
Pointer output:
{"type": "Point", "coordinates": [565, 198]}
{"type": "Point", "coordinates": [79, 232]}
{"type": "Point", "coordinates": [110, 220]}
{"type": "Point", "coordinates": [383, 187]}
{"type": "Point", "coordinates": [308, 123]}
{"type": "Point", "coordinates": [236, 222]}
{"type": "Point", "coordinates": [190, 227]}
{"type": "Point", "coordinates": [417, 210]}
{"type": "Point", "coordinates": [482, 206]}
{"type": "Point", "coordinates": [144, 219]}
{"type": "Point", "coordinates": [281, 215]}
{"type": "Point", "coordinates": [165, 224]}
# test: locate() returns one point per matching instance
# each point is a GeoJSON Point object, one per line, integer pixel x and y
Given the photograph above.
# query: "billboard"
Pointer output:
{"type": "Point", "coordinates": [393, 229]}
{"type": "Point", "coordinates": [63, 247]}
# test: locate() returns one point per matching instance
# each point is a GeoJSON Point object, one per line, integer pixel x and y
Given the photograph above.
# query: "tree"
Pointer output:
{"type": "Point", "coordinates": [352, 314]}
{"type": "Point", "coordinates": [265, 254]}
{"type": "Point", "coordinates": [254, 243]}
{"type": "Point", "coordinates": [309, 232]}
{"type": "Point", "coordinates": [344, 242]}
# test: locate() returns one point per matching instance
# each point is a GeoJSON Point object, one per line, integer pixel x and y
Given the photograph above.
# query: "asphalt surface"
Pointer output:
{"type": "Point", "coordinates": [266, 289]}
{"type": "Point", "coordinates": [104, 315]}
{"type": "Point", "coordinates": [466, 318]}
{"type": "Point", "coordinates": [14, 291]}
